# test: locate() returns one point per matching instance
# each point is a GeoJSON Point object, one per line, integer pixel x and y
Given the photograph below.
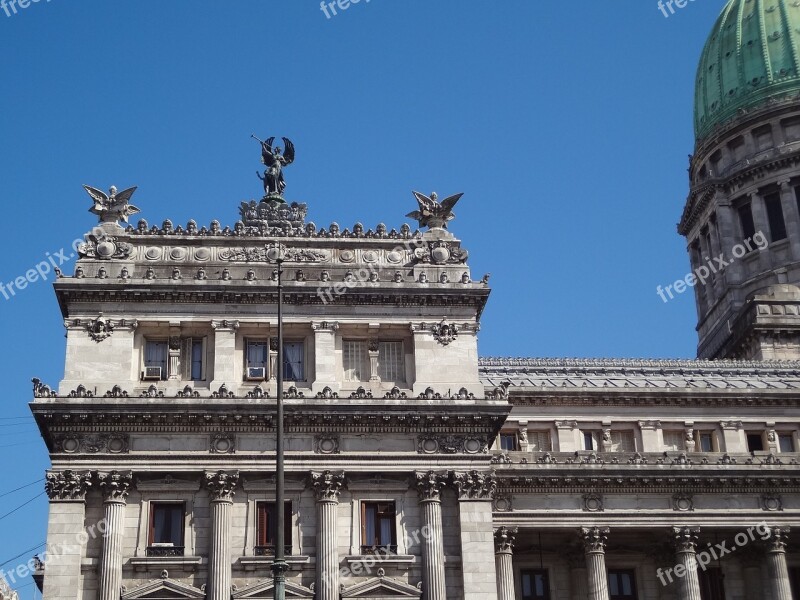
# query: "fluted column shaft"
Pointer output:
{"type": "Point", "coordinates": [594, 540]}
{"type": "Point", "coordinates": [221, 486]}
{"type": "Point", "coordinates": [429, 486]}
{"type": "Point", "coordinates": [327, 486]}
{"type": "Point", "coordinates": [685, 539]}
{"type": "Point", "coordinates": [504, 562]}
{"type": "Point", "coordinates": [776, 564]}
{"type": "Point", "coordinates": [115, 487]}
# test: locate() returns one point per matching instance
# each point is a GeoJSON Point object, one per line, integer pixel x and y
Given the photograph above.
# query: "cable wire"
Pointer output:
{"type": "Point", "coordinates": [27, 485]}
{"type": "Point", "coordinates": [11, 512]}
{"type": "Point", "coordinates": [22, 554]}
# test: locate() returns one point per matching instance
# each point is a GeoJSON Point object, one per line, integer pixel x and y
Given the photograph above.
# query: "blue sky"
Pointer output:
{"type": "Point", "coordinates": [566, 124]}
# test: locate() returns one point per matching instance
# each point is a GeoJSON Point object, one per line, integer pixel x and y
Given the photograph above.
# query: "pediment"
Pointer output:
{"type": "Point", "coordinates": [163, 589]}
{"type": "Point", "coordinates": [381, 588]}
{"type": "Point", "coordinates": [262, 590]}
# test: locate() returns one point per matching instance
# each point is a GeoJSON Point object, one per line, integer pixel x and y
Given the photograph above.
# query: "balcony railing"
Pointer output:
{"type": "Point", "coordinates": [269, 550]}
{"type": "Point", "coordinates": [376, 550]}
{"type": "Point", "coordinates": [163, 551]}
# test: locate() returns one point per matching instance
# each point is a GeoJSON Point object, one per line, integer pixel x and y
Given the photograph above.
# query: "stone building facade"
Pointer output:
{"type": "Point", "coordinates": [416, 469]}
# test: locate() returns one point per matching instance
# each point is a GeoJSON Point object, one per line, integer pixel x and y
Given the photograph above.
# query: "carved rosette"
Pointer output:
{"type": "Point", "coordinates": [115, 485]}
{"type": "Point", "coordinates": [685, 539]}
{"type": "Point", "coordinates": [474, 485]}
{"type": "Point", "coordinates": [504, 539]}
{"type": "Point", "coordinates": [594, 539]}
{"type": "Point", "coordinates": [430, 485]}
{"type": "Point", "coordinates": [222, 485]}
{"type": "Point", "coordinates": [778, 538]}
{"type": "Point", "coordinates": [327, 485]}
{"type": "Point", "coordinates": [67, 485]}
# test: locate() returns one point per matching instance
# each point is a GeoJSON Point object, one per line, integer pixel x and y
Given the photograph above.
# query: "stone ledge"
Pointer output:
{"type": "Point", "coordinates": [146, 563]}
{"type": "Point", "coordinates": [370, 560]}
{"type": "Point", "coordinates": [252, 563]}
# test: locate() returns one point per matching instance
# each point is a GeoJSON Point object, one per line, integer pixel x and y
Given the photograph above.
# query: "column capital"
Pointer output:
{"type": "Point", "coordinates": [475, 485]}
{"type": "Point", "coordinates": [778, 538]}
{"type": "Point", "coordinates": [430, 485]}
{"type": "Point", "coordinates": [685, 539]}
{"type": "Point", "coordinates": [594, 539]}
{"type": "Point", "coordinates": [504, 539]}
{"type": "Point", "coordinates": [115, 486]}
{"type": "Point", "coordinates": [327, 485]}
{"type": "Point", "coordinates": [222, 485]}
{"type": "Point", "coordinates": [68, 485]}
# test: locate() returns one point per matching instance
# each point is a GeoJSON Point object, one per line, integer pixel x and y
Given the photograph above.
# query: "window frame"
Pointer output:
{"type": "Point", "coordinates": [261, 546]}
{"type": "Point", "coordinates": [401, 370]}
{"type": "Point", "coordinates": [364, 368]}
{"type": "Point", "coordinates": [755, 434]}
{"type": "Point", "coordinates": [303, 363]}
{"type": "Point", "coordinates": [248, 342]}
{"type": "Point", "coordinates": [144, 365]}
{"type": "Point", "coordinates": [508, 435]}
{"type": "Point", "coordinates": [533, 572]}
{"type": "Point", "coordinates": [747, 224]}
{"type": "Point", "coordinates": [783, 435]}
{"type": "Point", "coordinates": [634, 589]}
{"type": "Point", "coordinates": [369, 549]}
{"type": "Point", "coordinates": [154, 548]}
{"type": "Point", "coordinates": [776, 219]}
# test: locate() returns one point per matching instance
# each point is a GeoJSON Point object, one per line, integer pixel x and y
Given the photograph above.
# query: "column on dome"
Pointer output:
{"type": "Point", "coordinates": [327, 487]}
{"type": "Point", "coordinates": [727, 222]}
{"type": "Point", "coordinates": [67, 492]}
{"type": "Point", "coordinates": [688, 582]}
{"type": "Point", "coordinates": [762, 225]}
{"type": "Point", "coordinates": [115, 487]}
{"type": "Point", "coordinates": [476, 492]}
{"type": "Point", "coordinates": [791, 214]}
{"type": "Point", "coordinates": [220, 485]}
{"type": "Point", "coordinates": [504, 539]}
{"type": "Point", "coordinates": [430, 486]}
{"type": "Point", "coordinates": [594, 545]}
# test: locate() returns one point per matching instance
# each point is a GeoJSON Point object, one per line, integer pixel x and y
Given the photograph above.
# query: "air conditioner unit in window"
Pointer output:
{"type": "Point", "coordinates": [256, 373]}
{"type": "Point", "coordinates": [151, 373]}
{"type": "Point", "coordinates": [162, 545]}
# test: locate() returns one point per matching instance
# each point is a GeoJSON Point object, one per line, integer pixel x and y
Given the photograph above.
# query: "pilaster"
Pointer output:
{"type": "Point", "coordinates": [115, 487]}
{"type": "Point", "coordinates": [504, 539]}
{"type": "Point", "coordinates": [430, 486]}
{"type": "Point", "coordinates": [221, 486]}
{"type": "Point", "coordinates": [594, 544]}
{"type": "Point", "coordinates": [327, 487]}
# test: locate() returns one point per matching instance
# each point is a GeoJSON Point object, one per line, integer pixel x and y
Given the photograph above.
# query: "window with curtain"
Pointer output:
{"type": "Point", "coordinates": [166, 529]}
{"type": "Point", "coordinates": [623, 441]}
{"type": "Point", "coordinates": [539, 441]}
{"type": "Point", "coordinates": [197, 359]}
{"type": "Point", "coordinates": [508, 442]}
{"type": "Point", "coordinates": [378, 527]}
{"type": "Point", "coordinates": [257, 354]}
{"type": "Point", "coordinates": [156, 354]}
{"type": "Point", "coordinates": [390, 361]}
{"type": "Point", "coordinates": [267, 523]}
{"type": "Point", "coordinates": [675, 440]}
{"type": "Point", "coordinates": [293, 359]}
{"type": "Point", "coordinates": [354, 358]}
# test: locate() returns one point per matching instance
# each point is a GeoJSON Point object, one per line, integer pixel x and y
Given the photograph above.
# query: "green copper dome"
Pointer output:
{"type": "Point", "coordinates": [751, 55]}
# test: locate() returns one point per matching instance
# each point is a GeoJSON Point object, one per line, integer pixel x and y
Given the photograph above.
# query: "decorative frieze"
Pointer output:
{"type": "Point", "coordinates": [451, 444]}
{"type": "Point", "coordinates": [67, 485]}
{"type": "Point", "coordinates": [593, 502]}
{"type": "Point", "coordinates": [327, 485]}
{"type": "Point", "coordinates": [115, 486]}
{"type": "Point", "coordinates": [475, 485]}
{"type": "Point", "coordinates": [326, 444]}
{"type": "Point", "coordinates": [88, 443]}
{"type": "Point", "coordinates": [223, 443]}
{"type": "Point", "coordinates": [430, 485]}
{"type": "Point", "coordinates": [221, 485]}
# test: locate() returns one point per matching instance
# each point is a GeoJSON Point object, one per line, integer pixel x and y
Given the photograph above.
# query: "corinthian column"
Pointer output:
{"type": "Point", "coordinates": [503, 553]}
{"type": "Point", "coordinates": [430, 485]}
{"type": "Point", "coordinates": [594, 546]}
{"type": "Point", "coordinates": [327, 487]}
{"type": "Point", "coordinates": [776, 564]}
{"type": "Point", "coordinates": [221, 485]}
{"type": "Point", "coordinates": [115, 487]}
{"type": "Point", "coordinates": [685, 539]}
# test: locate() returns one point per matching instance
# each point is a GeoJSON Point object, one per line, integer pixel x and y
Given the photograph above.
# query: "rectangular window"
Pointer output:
{"type": "Point", "coordinates": [508, 442]}
{"type": "Point", "coordinates": [623, 441]}
{"type": "Point", "coordinates": [746, 221]}
{"type": "Point", "coordinates": [674, 440]}
{"type": "Point", "coordinates": [257, 360]}
{"type": "Point", "coordinates": [535, 584]}
{"type": "Point", "coordinates": [267, 524]}
{"type": "Point", "coordinates": [539, 441]}
{"type": "Point", "coordinates": [711, 583]}
{"type": "Point", "coordinates": [621, 584]}
{"type": "Point", "coordinates": [705, 442]}
{"type": "Point", "coordinates": [791, 129]}
{"type": "Point", "coordinates": [777, 225]}
{"type": "Point", "coordinates": [166, 529]}
{"type": "Point", "coordinates": [588, 441]}
{"type": "Point", "coordinates": [736, 149]}
{"type": "Point", "coordinates": [156, 354]}
{"type": "Point", "coordinates": [293, 360]}
{"type": "Point", "coordinates": [709, 248]}
{"type": "Point", "coordinates": [390, 361]}
{"type": "Point", "coordinates": [763, 137]}
{"type": "Point", "coordinates": [193, 359]}
{"type": "Point", "coordinates": [755, 442]}
{"type": "Point", "coordinates": [378, 533]}
{"type": "Point", "coordinates": [786, 442]}
{"type": "Point", "coordinates": [353, 360]}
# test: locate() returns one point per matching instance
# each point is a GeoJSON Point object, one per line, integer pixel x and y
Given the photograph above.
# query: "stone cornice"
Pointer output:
{"type": "Point", "coordinates": [639, 365]}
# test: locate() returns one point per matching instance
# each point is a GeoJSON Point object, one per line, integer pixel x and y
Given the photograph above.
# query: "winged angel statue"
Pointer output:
{"type": "Point", "coordinates": [432, 213]}
{"type": "Point", "coordinates": [112, 207]}
{"type": "Point", "coordinates": [274, 184]}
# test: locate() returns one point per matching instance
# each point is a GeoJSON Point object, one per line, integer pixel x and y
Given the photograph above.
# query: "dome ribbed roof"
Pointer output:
{"type": "Point", "coordinates": [750, 56]}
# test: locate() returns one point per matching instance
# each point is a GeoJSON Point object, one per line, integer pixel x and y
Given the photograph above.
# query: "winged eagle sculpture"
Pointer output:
{"type": "Point", "coordinates": [275, 161]}
{"type": "Point", "coordinates": [432, 213]}
{"type": "Point", "coordinates": [112, 207]}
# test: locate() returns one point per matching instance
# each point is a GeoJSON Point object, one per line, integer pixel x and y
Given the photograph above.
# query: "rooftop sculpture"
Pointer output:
{"type": "Point", "coordinates": [112, 207]}
{"type": "Point", "coordinates": [274, 183]}
{"type": "Point", "coordinates": [433, 214]}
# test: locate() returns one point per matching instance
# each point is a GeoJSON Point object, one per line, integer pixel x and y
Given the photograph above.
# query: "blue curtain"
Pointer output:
{"type": "Point", "coordinates": [293, 361]}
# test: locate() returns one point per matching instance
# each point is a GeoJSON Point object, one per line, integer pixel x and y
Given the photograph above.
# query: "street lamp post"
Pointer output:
{"type": "Point", "coordinates": [277, 253]}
